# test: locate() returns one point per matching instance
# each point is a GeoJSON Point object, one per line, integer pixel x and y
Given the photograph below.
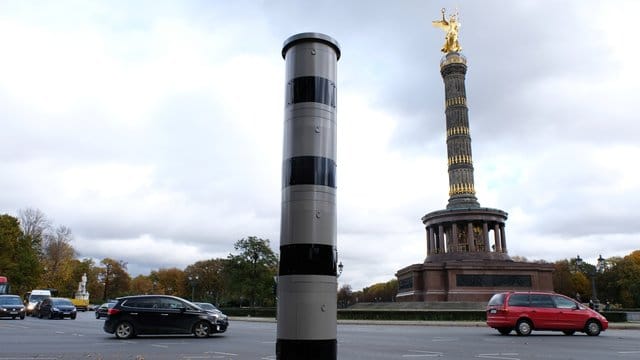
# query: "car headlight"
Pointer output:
{"type": "Point", "coordinates": [2, 309]}
{"type": "Point", "coordinates": [55, 309]}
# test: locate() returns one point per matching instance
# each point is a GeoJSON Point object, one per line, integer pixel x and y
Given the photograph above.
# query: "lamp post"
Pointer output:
{"type": "Point", "coordinates": [193, 280]}
{"type": "Point", "coordinates": [600, 267]}
{"type": "Point", "coordinates": [340, 268]}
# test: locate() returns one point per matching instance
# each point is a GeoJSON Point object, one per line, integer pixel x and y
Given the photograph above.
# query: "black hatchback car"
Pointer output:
{"type": "Point", "coordinates": [11, 306]}
{"type": "Point", "coordinates": [160, 314]}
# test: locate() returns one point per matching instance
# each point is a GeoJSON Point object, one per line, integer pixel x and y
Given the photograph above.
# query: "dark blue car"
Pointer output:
{"type": "Point", "coordinates": [54, 307]}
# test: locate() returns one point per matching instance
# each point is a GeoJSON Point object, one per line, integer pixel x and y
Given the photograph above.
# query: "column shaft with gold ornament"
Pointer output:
{"type": "Point", "coordinates": [453, 69]}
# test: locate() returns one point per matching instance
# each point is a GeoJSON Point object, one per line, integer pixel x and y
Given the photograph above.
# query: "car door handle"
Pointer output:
{"type": "Point", "coordinates": [134, 313]}
{"type": "Point", "coordinates": [164, 314]}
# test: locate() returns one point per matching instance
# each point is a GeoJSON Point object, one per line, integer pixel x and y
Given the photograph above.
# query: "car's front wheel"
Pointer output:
{"type": "Point", "coordinates": [201, 329]}
{"type": "Point", "coordinates": [124, 330]}
{"type": "Point", "coordinates": [97, 316]}
{"type": "Point", "coordinates": [593, 328]}
{"type": "Point", "coordinates": [523, 327]}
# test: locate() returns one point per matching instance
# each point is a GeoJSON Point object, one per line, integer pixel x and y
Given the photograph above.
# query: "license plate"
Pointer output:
{"type": "Point", "coordinates": [492, 311]}
{"type": "Point", "coordinates": [13, 312]}
{"type": "Point", "coordinates": [67, 313]}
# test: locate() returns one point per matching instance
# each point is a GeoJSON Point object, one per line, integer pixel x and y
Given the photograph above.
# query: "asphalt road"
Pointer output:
{"type": "Point", "coordinates": [83, 338]}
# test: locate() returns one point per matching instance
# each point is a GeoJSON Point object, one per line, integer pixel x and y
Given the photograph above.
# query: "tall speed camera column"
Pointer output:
{"type": "Point", "coordinates": [307, 282]}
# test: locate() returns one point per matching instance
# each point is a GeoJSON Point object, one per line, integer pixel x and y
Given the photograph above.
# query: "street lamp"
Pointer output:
{"type": "Point", "coordinates": [600, 267]}
{"type": "Point", "coordinates": [340, 268]}
{"type": "Point", "coordinates": [193, 280]}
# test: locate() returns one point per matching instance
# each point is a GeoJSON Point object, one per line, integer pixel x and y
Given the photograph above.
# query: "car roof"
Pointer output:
{"type": "Point", "coordinates": [148, 296]}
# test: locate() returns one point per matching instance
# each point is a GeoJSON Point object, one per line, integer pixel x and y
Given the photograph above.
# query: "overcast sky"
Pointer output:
{"type": "Point", "coordinates": [153, 129]}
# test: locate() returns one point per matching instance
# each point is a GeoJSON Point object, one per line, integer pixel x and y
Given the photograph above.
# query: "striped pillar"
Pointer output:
{"type": "Point", "coordinates": [307, 285]}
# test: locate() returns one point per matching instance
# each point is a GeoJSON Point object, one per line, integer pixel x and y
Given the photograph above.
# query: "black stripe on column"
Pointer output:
{"type": "Point", "coordinates": [307, 259]}
{"type": "Point", "coordinates": [309, 170]}
{"type": "Point", "coordinates": [306, 349]}
{"type": "Point", "coordinates": [312, 89]}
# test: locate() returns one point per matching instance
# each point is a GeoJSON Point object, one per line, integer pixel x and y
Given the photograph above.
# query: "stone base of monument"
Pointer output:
{"type": "Point", "coordinates": [469, 280]}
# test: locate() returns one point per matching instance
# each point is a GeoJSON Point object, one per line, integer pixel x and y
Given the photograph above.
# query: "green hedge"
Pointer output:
{"type": "Point", "coordinates": [615, 316]}
{"type": "Point", "coordinates": [254, 312]}
{"type": "Point", "coordinates": [415, 315]}
{"type": "Point", "coordinates": [409, 315]}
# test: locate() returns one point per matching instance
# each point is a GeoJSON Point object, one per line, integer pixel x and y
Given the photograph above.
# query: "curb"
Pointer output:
{"type": "Point", "coordinates": [612, 326]}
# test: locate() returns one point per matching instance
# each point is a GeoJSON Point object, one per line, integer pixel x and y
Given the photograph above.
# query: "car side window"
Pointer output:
{"type": "Point", "coordinates": [171, 304]}
{"type": "Point", "coordinates": [564, 303]}
{"type": "Point", "coordinates": [542, 301]}
{"type": "Point", "coordinates": [519, 300]}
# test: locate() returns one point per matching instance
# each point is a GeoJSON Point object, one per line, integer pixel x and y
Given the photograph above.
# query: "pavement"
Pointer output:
{"type": "Point", "coordinates": [631, 325]}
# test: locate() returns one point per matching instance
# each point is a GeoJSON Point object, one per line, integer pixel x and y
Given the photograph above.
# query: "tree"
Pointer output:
{"type": "Point", "coordinates": [346, 297]}
{"type": "Point", "coordinates": [210, 286]}
{"type": "Point", "coordinates": [250, 273]}
{"type": "Point", "coordinates": [57, 257]}
{"type": "Point", "coordinates": [35, 225]}
{"type": "Point", "coordinates": [629, 280]}
{"type": "Point", "coordinates": [142, 284]}
{"type": "Point", "coordinates": [170, 282]}
{"type": "Point", "coordinates": [18, 260]}
{"type": "Point", "coordinates": [114, 278]}
{"type": "Point", "coordinates": [380, 292]}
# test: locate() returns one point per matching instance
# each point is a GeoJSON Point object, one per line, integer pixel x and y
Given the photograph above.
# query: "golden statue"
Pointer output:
{"type": "Point", "coordinates": [451, 28]}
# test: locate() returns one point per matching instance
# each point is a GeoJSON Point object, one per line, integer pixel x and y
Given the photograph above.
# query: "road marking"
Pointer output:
{"type": "Point", "coordinates": [28, 358]}
{"type": "Point", "coordinates": [444, 339]}
{"type": "Point", "coordinates": [222, 353]}
{"type": "Point", "coordinates": [501, 356]}
{"type": "Point", "coordinates": [629, 352]}
{"type": "Point", "coordinates": [421, 353]}
{"type": "Point", "coordinates": [160, 346]}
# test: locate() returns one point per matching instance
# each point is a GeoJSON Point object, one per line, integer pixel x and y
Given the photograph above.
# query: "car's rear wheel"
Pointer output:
{"type": "Point", "coordinates": [569, 332]}
{"type": "Point", "coordinates": [523, 327]}
{"type": "Point", "coordinates": [593, 328]}
{"type": "Point", "coordinates": [124, 330]}
{"type": "Point", "coordinates": [504, 331]}
{"type": "Point", "coordinates": [97, 316]}
{"type": "Point", "coordinates": [201, 329]}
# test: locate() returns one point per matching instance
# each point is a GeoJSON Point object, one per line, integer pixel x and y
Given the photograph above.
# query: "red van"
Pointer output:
{"type": "Point", "coordinates": [528, 311]}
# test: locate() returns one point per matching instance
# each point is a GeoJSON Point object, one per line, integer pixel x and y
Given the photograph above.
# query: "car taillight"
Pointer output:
{"type": "Point", "coordinates": [113, 311]}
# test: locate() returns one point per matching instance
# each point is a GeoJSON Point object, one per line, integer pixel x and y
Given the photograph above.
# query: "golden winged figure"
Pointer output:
{"type": "Point", "coordinates": [450, 27]}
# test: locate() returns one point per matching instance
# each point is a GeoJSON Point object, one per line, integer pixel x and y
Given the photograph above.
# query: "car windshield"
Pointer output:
{"type": "Point", "coordinates": [11, 300]}
{"type": "Point", "coordinates": [36, 298]}
{"type": "Point", "coordinates": [62, 302]}
{"type": "Point", "coordinates": [207, 306]}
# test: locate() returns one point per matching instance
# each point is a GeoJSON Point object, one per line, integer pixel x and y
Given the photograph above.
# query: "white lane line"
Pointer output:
{"type": "Point", "coordinates": [227, 354]}
{"type": "Point", "coordinates": [444, 339]}
{"type": "Point", "coordinates": [421, 353]}
{"type": "Point", "coordinates": [629, 352]}
{"type": "Point", "coordinates": [28, 358]}
{"type": "Point", "coordinates": [160, 346]}
{"type": "Point", "coordinates": [501, 356]}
